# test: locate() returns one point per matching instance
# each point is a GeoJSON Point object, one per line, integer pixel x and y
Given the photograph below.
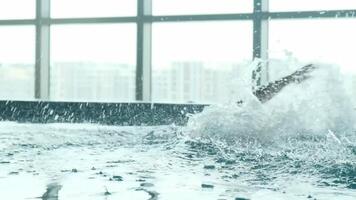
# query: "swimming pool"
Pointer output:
{"type": "Point", "coordinates": [299, 145]}
{"type": "Point", "coordinates": [115, 162]}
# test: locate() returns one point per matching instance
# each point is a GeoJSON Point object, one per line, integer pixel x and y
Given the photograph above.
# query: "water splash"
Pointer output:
{"type": "Point", "coordinates": [308, 128]}
{"type": "Point", "coordinates": [314, 107]}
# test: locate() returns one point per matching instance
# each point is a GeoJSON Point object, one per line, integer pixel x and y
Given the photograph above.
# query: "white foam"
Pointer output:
{"type": "Point", "coordinates": [314, 106]}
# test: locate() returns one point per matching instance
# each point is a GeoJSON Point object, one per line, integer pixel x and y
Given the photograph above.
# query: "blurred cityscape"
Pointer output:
{"type": "Point", "coordinates": [194, 82]}
{"type": "Point", "coordinates": [87, 81]}
{"type": "Point", "coordinates": [179, 82]}
{"type": "Point", "coordinates": [17, 81]}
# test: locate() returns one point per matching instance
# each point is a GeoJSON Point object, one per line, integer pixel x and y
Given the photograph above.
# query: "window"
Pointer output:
{"type": "Point", "coordinates": [17, 61]}
{"type": "Point", "coordinates": [93, 62]}
{"type": "Point", "coordinates": [92, 8]}
{"type": "Point", "coordinates": [185, 7]}
{"type": "Point", "coordinates": [314, 40]}
{"type": "Point", "coordinates": [309, 5]}
{"type": "Point", "coordinates": [196, 61]}
{"type": "Point", "coordinates": [192, 61]}
{"type": "Point", "coordinates": [17, 9]}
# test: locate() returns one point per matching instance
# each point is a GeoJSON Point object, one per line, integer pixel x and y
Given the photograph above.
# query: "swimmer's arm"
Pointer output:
{"type": "Point", "coordinates": [265, 93]}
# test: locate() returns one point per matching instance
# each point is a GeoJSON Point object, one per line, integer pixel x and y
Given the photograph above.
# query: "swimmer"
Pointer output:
{"type": "Point", "coordinates": [267, 92]}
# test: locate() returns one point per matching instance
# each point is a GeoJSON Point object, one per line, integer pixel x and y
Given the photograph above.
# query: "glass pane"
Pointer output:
{"type": "Point", "coordinates": [92, 8]}
{"type": "Point", "coordinates": [319, 40]}
{"type": "Point", "coordinates": [93, 62]}
{"type": "Point", "coordinates": [308, 5]}
{"type": "Point", "coordinates": [17, 61]}
{"type": "Point", "coordinates": [17, 9]}
{"type": "Point", "coordinates": [197, 61]}
{"type": "Point", "coordinates": [184, 7]}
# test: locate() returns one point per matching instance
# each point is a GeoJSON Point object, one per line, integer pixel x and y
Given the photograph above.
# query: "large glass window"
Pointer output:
{"type": "Point", "coordinates": [198, 61]}
{"type": "Point", "coordinates": [17, 9]}
{"type": "Point", "coordinates": [184, 7]}
{"type": "Point", "coordinates": [17, 61]}
{"type": "Point", "coordinates": [309, 5]}
{"type": "Point", "coordinates": [314, 40]}
{"type": "Point", "coordinates": [93, 62]}
{"type": "Point", "coordinates": [92, 8]}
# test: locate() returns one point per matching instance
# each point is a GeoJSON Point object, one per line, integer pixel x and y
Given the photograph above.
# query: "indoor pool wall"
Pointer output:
{"type": "Point", "coordinates": [128, 114]}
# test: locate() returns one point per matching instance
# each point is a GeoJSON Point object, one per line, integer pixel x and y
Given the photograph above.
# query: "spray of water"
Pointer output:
{"type": "Point", "coordinates": [316, 106]}
{"type": "Point", "coordinates": [306, 129]}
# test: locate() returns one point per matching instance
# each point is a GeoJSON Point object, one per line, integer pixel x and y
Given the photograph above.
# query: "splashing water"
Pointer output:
{"type": "Point", "coordinates": [307, 129]}
{"type": "Point", "coordinates": [314, 106]}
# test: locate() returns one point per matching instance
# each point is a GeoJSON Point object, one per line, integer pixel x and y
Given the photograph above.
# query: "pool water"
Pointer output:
{"type": "Point", "coordinates": [103, 162]}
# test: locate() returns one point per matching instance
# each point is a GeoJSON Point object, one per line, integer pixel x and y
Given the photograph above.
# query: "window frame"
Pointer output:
{"type": "Point", "coordinates": [144, 19]}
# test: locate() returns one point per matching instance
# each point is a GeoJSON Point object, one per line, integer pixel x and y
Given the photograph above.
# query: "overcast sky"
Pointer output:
{"type": "Point", "coordinates": [326, 40]}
